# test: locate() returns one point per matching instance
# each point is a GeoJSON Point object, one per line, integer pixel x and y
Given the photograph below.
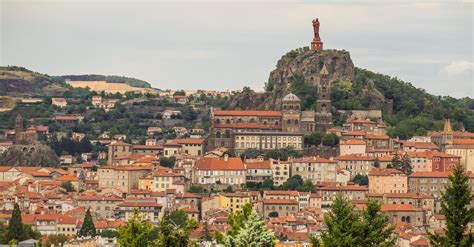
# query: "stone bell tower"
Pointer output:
{"type": "Point", "coordinates": [323, 103]}
{"type": "Point", "coordinates": [316, 44]}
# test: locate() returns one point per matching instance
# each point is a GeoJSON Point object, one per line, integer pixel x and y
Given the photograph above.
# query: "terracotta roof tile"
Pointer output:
{"type": "Point", "coordinates": [214, 163]}
{"type": "Point", "coordinates": [246, 113]}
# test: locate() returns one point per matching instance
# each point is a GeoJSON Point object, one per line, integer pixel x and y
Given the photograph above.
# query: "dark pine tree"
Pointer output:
{"type": "Point", "coordinates": [15, 226]}
{"type": "Point", "coordinates": [455, 205]}
{"type": "Point", "coordinates": [88, 227]}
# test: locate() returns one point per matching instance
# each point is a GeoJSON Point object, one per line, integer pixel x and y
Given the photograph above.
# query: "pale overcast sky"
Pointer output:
{"type": "Point", "coordinates": [212, 45]}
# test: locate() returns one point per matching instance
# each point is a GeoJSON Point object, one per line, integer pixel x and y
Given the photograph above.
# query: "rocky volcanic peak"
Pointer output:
{"type": "Point", "coordinates": [307, 63]}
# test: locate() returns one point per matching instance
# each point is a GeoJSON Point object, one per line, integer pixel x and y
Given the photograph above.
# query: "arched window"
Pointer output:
{"type": "Point", "coordinates": [227, 121]}
{"type": "Point", "coordinates": [264, 122]}
{"type": "Point", "coordinates": [296, 121]}
{"type": "Point", "coordinates": [218, 134]}
{"type": "Point", "coordinates": [407, 219]}
{"type": "Point", "coordinates": [227, 134]}
{"type": "Point", "coordinates": [403, 219]}
{"type": "Point", "coordinates": [218, 121]}
{"type": "Point", "coordinates": [252, 120]}
{"type": "Point", "coordinates": [276, 122]}
{"type": "Point", "coordinates": [239, 121]}
{"type": "Point", "coordinates": [288, 121]}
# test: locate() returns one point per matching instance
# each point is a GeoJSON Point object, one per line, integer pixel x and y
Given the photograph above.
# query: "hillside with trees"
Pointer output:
{"type": "Point", "coordinates": [18, 81]}
{"type": "Point", "coordinates": [108, 78]}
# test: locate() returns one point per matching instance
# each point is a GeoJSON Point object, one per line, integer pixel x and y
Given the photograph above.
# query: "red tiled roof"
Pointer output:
{"type": "Point", "coordinates": [282, 192]}
{"type": "Point", "coordinates": [384, 172]}
{"type": "Point", "coordinates": [247, 126]}
{"type": "Point", "coordinates": [377, 136]}
{"type": "Point", "coordinates": [397, 207]}
{"type": "Point", "coordinates": [139, 204]}
{"type": "Point", "coordinates": [67, 178]}
{"type": "Point", "coordinates": [198, 141]}
{"type": "Point", "coordinates": [119, 143]}
{"type": "Point", "coordinates": [345, 187]}
{"type": "Point", "coordinates": [355, 157]}
{"type": "Point", "coordinates": [259, 165]}
{"type": "Point", "coordinates": [353, 142]}
{"type": "Point", "coordinates": [98, 198]}
{"type": "Point", "coordinates": [464, 141]}
{"type": "Point", "coordinates": [312, 159]}
{"type": "Point", "coordinates": [148, 146]}
{"type": "Point", "coordinates": [279, 201]}
{"type": "Point", "coordinates": [246, 113]}
{"type": "Point", "coordinates": [354, 133]}
{"type": "Point", "coordinates": [367, 121]}
{"type": "Point", "coordinates": [420, 145]}
{"type": "Point", "coordinates": [213, 163]}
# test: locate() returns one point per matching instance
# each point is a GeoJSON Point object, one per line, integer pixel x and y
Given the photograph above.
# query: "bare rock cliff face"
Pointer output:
{"type": "Point", "coordinates": [29, 155]}
{"type": "Point", "coordinates": [307, 63]}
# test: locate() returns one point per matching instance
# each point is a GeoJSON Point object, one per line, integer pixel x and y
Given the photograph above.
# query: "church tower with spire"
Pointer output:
{"type": "Point", "coordinates": [323, 103]}
{"type": "Point", "coordinates": [447, 138]}
{"type": "Point", "coordinates": [316, 44]}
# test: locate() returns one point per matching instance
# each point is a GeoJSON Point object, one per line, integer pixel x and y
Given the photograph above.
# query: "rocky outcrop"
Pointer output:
{"type": "Point", "coordinates": [300, 62]}
{"type": "Point", "coordinates": [29, 155]}
{"type": "Point", "coordinates": [306, 63]}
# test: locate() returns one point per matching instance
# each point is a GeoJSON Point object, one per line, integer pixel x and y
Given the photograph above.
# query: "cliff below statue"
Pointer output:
{"type": "Point", "coordinates": [300, 64]}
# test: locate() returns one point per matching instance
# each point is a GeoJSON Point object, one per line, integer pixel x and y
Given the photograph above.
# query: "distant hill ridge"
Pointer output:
{"type": "Point", "coordinates": [108, 78]}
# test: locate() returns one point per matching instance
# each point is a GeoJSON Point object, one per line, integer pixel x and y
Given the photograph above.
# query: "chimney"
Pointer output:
{"type": "Point", "coordinates": [226, 157]}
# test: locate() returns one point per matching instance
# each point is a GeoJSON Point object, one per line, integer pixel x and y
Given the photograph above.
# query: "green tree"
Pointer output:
{"type": "Point", "coordinates": [178, 217]}
{"type": "Point", "coordinates": [341, 224]}
{"type": "Point", "coordinates": [406, 165]}
{"type": "Point", "coordinates": [373, 229]}
{"type": "Point", "coordinates": [315, 139]}
{"type": "Point", "coordinates": [330, 140]}
{"type": "Point", "coordinates": [273, 214]}
{"type": "Point", "coordinates": [15, 226]}
{"type": "Point", "coordinates": [246, 228]}
{"type": "Point", "coordinates": [137, 233]}
{"type": "Point", "coordinates": [361, 179]}
{"type": "Point", "coordinates": [56, 239]}
{"type": "Point", "coordinates": [292, 183]}
{"type": "Point", "coordinates": [455, 205]}
{"type": "Point", "coordinates": [68, 186]}
{"type": "Point", "coordinates": [88, 227]}
{"type": "Point", "coordinates": [109, 234]}
{"type": "Point", "coordinates": [253, 233]}
{"type": "Point", "coordinates": [172, 235]}
{"type": "Point", "coordinates": [396, 163]}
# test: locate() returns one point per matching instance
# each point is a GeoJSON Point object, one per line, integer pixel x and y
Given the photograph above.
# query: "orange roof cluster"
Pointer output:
{"type": "Point", "coordinates": [246, 113]}
{"type": "Point", "coordinates": [384, 172]}
{"type": "Point", "coordinates": [214, 163]}
{"type": "Point", "coordinates": [281, 192]}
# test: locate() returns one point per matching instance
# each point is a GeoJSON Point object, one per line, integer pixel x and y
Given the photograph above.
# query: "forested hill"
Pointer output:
{"type": "Point", "coordinates": [108, 78]}
{"type": "Point", "coordinates": [415, 110]}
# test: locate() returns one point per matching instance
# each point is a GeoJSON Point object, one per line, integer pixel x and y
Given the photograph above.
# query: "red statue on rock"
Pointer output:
{"type": "Point", "coordinates": [316, 44]}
